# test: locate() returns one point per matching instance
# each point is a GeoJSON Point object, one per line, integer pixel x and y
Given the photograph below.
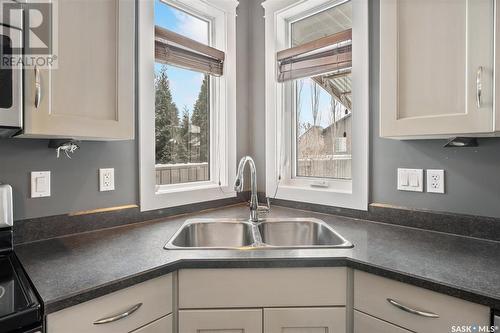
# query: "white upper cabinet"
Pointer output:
{"type": "Point", "coordinates": [90, 95]}
{"type": "Point", "coordinates": [437, 68]}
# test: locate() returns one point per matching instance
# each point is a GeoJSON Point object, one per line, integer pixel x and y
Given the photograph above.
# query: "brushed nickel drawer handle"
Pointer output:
{"type": "Point", "coordinates": [412, 311]}
{"type": "Point", "coordinates": [118, 316]}
{"type": "Point", "coordinates": [38, 88]}
{"type": "Point", "coordinates": [479, 86]}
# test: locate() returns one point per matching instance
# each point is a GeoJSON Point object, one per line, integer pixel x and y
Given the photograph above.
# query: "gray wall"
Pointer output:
{"type": "Point", "coordinates": [472, 174]}
{"type": "Point", "coordinates": [74, 182]}
{"type": "Point", "coordinates": [256, 90]}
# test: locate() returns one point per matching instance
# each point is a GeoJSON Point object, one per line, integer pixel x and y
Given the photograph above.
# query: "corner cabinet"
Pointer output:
{"type": "Point", "coordinates": [90, 95]}
{"type": "Point", "coordinates": [437, 68]}
{"type": "Point", "coordinates": [263, 300]}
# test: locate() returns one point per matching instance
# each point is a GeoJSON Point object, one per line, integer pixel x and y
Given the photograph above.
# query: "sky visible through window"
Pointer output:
{"type": "Point", "coordinates": [324, 118]}
{"type": "Point", "coordinates": [184, 85]}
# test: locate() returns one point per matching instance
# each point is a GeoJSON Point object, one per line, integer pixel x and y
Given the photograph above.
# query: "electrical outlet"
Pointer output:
{"type": "Point", "coordinates": [435, 181]}
{"type": "Point", "coordinates": [107, 179]}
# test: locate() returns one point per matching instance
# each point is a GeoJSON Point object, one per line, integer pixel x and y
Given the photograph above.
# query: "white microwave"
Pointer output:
{"type": "Point", "coordinates": [11, 77]}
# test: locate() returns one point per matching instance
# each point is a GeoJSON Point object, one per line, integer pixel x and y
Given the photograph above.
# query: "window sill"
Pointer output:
{"type": "Point", "coordinates": [184, 196]}
{"type": "Point", "coordinates": [323, 196]}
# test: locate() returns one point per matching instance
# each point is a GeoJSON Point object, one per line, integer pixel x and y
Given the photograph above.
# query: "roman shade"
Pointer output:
{"type": "Point", "coordinates": [178, 50]}
{"type": "Point", "coordinates": [329, 54]}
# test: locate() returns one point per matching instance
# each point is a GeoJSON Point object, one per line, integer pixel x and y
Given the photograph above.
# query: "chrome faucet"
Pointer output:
{"type": "Point", "coordinates": [255, 209]}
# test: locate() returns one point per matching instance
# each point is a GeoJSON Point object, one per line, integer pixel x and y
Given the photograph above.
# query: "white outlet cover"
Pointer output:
{"type": "Point", "coordinates": [106, 179]}
{"type": "Point", "coordinates": [435, 181]}
{"type": "Point", "coordinates": [410, 180]}
{"type": "Point", "coordinates": [40, 184]}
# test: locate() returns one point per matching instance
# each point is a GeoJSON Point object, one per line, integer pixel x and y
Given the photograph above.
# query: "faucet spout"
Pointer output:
{"type": "Point", "coordinates": [238, 185]}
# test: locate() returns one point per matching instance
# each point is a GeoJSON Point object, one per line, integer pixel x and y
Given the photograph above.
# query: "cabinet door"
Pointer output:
{"type": "Point", "coordinates": [220, 321]}
{"type": "Point", "coordinates": [364, 323]}
{"type": "Point", "coordinates": [305, 320]}
{"type": "Point", "coordinates": [163, 325]}
{"type": "Point", "coordinates": [90, 95]}
{"type": "Point", "coordinates": [415, 308]}
{"type": "Point", "coordinates": [121, 311]}
{"type": "Point", "coordinates": [435, 57]}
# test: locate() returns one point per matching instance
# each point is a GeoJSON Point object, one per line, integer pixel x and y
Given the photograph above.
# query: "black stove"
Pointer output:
{"type": "Point", "coordinates": [20, 310]}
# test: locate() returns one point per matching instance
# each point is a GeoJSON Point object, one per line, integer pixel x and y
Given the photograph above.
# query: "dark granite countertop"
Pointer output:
{"type": "Point", "coordinates": [73, 269]}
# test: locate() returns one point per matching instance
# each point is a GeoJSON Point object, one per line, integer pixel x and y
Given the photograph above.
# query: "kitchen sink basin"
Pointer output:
{"type": "Point", "coordinates": [303, 233]}
{"type": "Point", "coordinates": [273, 233]}
{"type": "Point", "coordinates": [211, 234]}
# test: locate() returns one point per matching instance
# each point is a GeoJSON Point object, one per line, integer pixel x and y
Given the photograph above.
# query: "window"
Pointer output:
{"type": "Point", "coordinates": [182, 104]}
{"type": "Point", "coordinates": [323, 102]}
{"type": "Point", "coordinates": [186, 98]}
{"type": "Point", "coordinates": [317, 102]}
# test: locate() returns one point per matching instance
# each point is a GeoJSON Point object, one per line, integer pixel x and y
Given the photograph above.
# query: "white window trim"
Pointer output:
{"type": "Point", "coordinates": [222, 15]}
{"type": "Point", "coordinates": [340, 193]}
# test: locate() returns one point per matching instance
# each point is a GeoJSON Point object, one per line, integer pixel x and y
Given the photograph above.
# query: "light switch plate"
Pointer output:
{"type": "Point", "coordinates": [411, 180]}
{"type": "Point", "coordinates": [107, 179]}
{"type": "Point", "coordinates": [40, 184]}
{"type": "Point", "coordinates": [435, 181]}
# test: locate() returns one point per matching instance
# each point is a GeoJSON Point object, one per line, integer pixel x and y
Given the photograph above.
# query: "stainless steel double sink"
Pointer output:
{"type": "Point", "coordinates": [272, 233]}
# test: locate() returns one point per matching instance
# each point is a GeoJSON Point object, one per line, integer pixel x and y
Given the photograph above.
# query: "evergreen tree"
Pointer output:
{"type": "Point", "coordinates": [183, 138]}
{"type": "Point", "coordinates": [200, 118]}
{"type": "Point", "coordinates": [166, 119]}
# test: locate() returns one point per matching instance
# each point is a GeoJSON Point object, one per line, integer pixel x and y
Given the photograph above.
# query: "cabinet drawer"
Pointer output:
{"type": "Point", "coordinates": [162, 325]}
{"type": "Point", "coordinates": [305, 320]}
{"type": "Point", "coordinates": [364, 323]}
{"type": "Point", "coordinates": [262, 287]}
{"type": "Point", "coordinates": [220, 321]}
{"type": "Point", "coordinates": [371, 295]}
{"type": "Point", "coordinates": [155, 296]}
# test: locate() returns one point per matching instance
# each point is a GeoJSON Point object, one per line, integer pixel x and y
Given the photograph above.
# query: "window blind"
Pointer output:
{"type": "Point", "coordinates": [324, 55]}
{"type": "Point", "coordinates": [178, 50]}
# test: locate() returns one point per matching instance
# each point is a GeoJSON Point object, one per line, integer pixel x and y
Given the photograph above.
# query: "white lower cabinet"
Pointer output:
{"type": "Point", "coordinates": [305, 320]}
{"type": "Point", "coordinates": [162, 325]}
{"type": "Point", "coordinates": [269, 300]}
{"type": "Point", "coordinates": [262, 287]}
{"type": "Point", "coordinates": [220, 321]}
{"type": "Point", "coordinates": [413, 308]}
{"type": "Point", "coordinates": [364, 323]}
{"type": "Point", "coordinates": [264, 300]}
{"type": "Point", "coordinates": [122, 311]}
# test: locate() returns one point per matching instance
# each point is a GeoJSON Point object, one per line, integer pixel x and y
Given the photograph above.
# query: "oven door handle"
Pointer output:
{"type": "Point", "coordinates": [38, 88]}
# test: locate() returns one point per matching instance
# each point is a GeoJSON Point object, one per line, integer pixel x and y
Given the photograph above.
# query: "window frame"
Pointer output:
{"type": "Point", "coordinates": [353, 193]}
{"type": "Point", "coordinates": [222, 161]}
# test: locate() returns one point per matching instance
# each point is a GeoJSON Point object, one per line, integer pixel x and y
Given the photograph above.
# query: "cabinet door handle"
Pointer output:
{"type": "Point", "coordinates": [119, 316]}
{"type": "Point", "coordinates": [479, 86]}
{"type": "Point", "coordinates": [412, 311]}
{"type": "Point", "coordinates": [38, 88]}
